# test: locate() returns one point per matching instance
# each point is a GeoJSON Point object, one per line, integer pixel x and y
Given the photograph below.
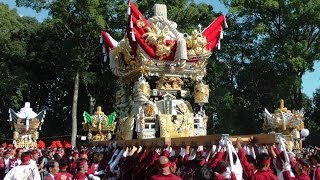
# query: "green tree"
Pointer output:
{"type": "Point", "coordinates": [312, 121]}
{"type": "Point", "coordinates": [285, 33]}
{"type": "Point", "coordinates": [273, 43]}
{"type": "Point", "coordinates": [81, 21]}
{"type": "Point", "coordinates": [76, 25]}
{"type": "Point", "coordinates": [15, 78]}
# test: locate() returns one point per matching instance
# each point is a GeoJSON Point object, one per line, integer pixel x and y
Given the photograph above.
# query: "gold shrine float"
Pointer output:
{"type": "Point", "coordinates": [99, 126]}
{"type": "Point", "coordinates": [287, 122]}
{"type": "Point", "coordinates": [25, 125]}
{"type": "Point", "coordinates": [157, 60]}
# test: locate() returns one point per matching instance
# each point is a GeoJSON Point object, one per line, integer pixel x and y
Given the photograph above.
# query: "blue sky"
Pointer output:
{"type": "Point", "coordinates": [310, 80]}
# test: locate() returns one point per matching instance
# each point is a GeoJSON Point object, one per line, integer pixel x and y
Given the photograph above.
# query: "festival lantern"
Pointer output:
{"type": "Point", "coordinates": [304, 133]}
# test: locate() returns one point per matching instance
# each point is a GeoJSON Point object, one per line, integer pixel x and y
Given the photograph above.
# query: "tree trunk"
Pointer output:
{"type": "Point", "coordinates": [74, 109]}
{"type": "Point", "coordinates": [92, 104]}
{"type": "Point", "coordinates": [297, 94]}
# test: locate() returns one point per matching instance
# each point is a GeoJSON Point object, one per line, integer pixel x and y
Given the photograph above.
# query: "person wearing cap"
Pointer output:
{"type": "Point", "coordinates": [263, 166]}
{"type": "Point", "coordinates": [53, 168]}
{"type": "Point", "coordinates": [34, 157]}
{"type": "Point", "coordinates": [63, 174]}
{"type": "Point", "coordinates": [82, 167]}
{"type": "Point", "coordinates": [166, 173]}
{"type": "Point", "coordinates": [24, 171]}
{"type": "Point", "coordinates": [17, 158]}
{"type": "Point", "coordinates": [90, 171]}
{"type": "Point", "coordinates": [43, 160]}
{"type": "Point", "coordinates": [316, 170]}
{"type": "Point", "coordinates": [97, 165]}
{"type": "Point", "coordinates": [5, 163]}
{"type": "Point", "coordinates": [75, 156]}
{"type": "Point", "coordinates": [302, 168]}
{"type": "Point", "coordinates": [221, 169]}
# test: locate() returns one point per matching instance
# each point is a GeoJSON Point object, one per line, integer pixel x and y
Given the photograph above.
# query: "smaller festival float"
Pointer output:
{"type": "Point", "coordinates": [25, 125]}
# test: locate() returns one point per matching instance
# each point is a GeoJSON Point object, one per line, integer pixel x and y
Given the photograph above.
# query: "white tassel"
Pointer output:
{"type": "Point", "coordinates": [172, 153]}
{"type": "Point", "coordinates": [104, 58]}
{"type": "Point", "coordinates": [27, 123]}
{"type": "Point", "coordinates": [133, 37]}
{"type": "Point", "coordinates": [230, 154]}
{"type": "Point", "coordinates": [104, 49]}
{"type": "Point", "coordinates": [253, 154]}
{"type": "Point", "coordinates": [221, 34]}
{"type": "Point", "coordinates": [236, 166]}
{"type": "Point", "coordinates": [283, 146]}
{"type": "Point", "coordinates": [192, 155]}
{"type": "Point", "coordinates": [247, 150]}
{"type": "Point", "coordinates": [182, 152]}
{"type": "Point", "coordinates": [131, 22]}
{"type": "Point", "coordinates": [219, 45]}
{"type": "Point", "coordinates": [129, 9]}
{"type": "Point", "coordinates": [125, 153]}
{"type": "Point", "coordinates": [225, 22]}
{"type": "Point", "coordinates": [101, 40]}
{"type": "Point", "coordinates": [260, 150]}
{"type": "Point", "coordinates": [214, 148]}
{"type": "Point", "coordinates": [280, 148]}
{"type": "Point", "coordinates": [219, 149]}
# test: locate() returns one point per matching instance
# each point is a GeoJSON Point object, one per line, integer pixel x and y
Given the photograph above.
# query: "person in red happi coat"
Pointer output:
{"type": "Point", "coordinates": [263, 165]}
{"type": "Point", "coordinates": [63, 174]}
{"type": "Point", "coordinates": [166, 172]}
{"type": "Point", "coordinates": [53, 169]}
{"type": "Point", "coordinates": [302, 168]}
{"type": "Point", "coordinates": [82, 168]}
{"type": "Point", "coordinates": [5, 163]}
{"type": "Point", "coordinates": [315, 174]}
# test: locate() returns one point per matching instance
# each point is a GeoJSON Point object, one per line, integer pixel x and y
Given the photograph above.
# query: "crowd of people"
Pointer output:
{"type": "Point", "coordinates": [221, 161]}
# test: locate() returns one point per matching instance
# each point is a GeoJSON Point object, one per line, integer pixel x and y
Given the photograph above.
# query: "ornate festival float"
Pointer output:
{"type": "Point", "coordinates": [99, 126]}
{"type": "Point", "coordinates": [156, 59]}
{"type": "Point", "coordinates": [153, 62]}
{"type": "Point", "coordinates": [288, 123]}
{"type": "Point", "coordinates": [25, 125]}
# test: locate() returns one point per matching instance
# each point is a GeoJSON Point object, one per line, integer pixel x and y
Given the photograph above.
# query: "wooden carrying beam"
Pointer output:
{"type": "Point", "coordinates": [208, 140]}
{"type": "Point", "coordinates": [214, 139]}
{"type": "Point", "coordinates": [163, 142]}
{"type": "Point", "coordinates": [265, 139]}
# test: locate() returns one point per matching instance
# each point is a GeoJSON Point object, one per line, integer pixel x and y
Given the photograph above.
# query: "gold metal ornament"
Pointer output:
{"type": "Point", "coordinates": [99, 125]}
{"type": "Point", "coordinates": [201, 93]}
{"type": "Point", "coordinates": [176, 126]}
{"type": "Point", "coordinates": [140, 23]}
{"type": "Point", "coordinates": [287, 122]}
